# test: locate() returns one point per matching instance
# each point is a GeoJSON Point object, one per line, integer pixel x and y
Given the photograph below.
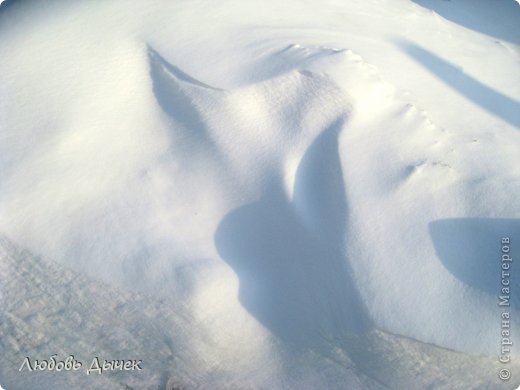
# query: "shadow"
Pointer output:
{"type": "Point", "coordinates": [497, 18]}
{"type": "Point", "coordinates": [471, 250]}
{"type": "Point", "coordinates": [175, 71]}
{"type": "Point", "coordinates": [6, 4]}
{"type": "Point", "coordinates": [174, 91]}
{"type": "Point", "coordinates": [294, 277]}
{"type": "Point", "coordinates": [492, 101]}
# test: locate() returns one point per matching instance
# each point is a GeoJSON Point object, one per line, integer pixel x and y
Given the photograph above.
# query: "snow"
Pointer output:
{"type": "Point", "coordinates": [276, 194]}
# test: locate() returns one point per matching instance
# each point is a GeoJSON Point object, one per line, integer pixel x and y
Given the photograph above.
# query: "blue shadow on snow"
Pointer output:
{"type": "Point", "coordinates": [498, 18]}
{"type": "Point", "coordinates": [288, 254]}
{"type": "Point", "coordinates": [471, 250]}
{"type": "Point", "coordinates": [492, 101]}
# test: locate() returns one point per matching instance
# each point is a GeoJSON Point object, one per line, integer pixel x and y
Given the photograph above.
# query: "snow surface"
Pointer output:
{"type": "Point", "coordinates": [292, 194]}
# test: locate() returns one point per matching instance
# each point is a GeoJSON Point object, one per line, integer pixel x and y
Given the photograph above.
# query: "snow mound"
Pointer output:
{"type": "Point", "coordinates": [264, 197]}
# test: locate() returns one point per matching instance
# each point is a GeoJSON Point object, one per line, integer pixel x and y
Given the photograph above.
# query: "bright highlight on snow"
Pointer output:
{"type": "Point", "coordinates": [286, 195]}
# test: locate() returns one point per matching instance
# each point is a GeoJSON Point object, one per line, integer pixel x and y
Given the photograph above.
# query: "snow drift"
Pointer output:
{"type": "Point", "coordinates": [284, 182]}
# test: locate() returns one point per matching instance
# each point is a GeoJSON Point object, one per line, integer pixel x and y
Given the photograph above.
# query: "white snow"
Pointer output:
{"type": "Point", "coordinates": [294, 178]}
